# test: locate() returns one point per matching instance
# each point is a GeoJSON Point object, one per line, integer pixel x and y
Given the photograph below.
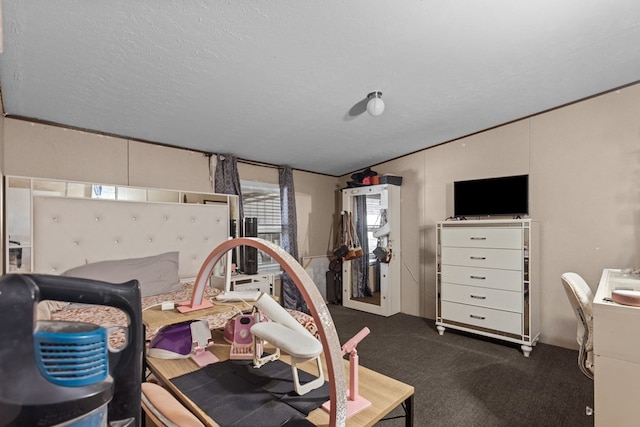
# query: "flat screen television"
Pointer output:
{"type": "Point", "coordinates": [506, 195]}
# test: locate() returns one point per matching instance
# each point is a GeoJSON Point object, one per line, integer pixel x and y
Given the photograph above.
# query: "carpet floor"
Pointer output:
{"type": "Point", "coordinates": [462, 379]}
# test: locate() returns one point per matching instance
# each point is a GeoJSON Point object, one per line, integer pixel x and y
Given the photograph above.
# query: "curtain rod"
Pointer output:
{"type": "Point", "coordinates": [249, 162]}
{"type": "Point", "coordinates": [254, 163]}
{"type": "Point", "coordinates": [271, 165]}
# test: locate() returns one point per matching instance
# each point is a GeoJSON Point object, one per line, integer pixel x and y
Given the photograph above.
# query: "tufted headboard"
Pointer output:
{"type": "Point", "coordinates": [69, 232]}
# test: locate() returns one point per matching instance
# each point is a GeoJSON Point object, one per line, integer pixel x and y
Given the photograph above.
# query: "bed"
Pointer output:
{"type": "Point", "coordinates": [163, 245]}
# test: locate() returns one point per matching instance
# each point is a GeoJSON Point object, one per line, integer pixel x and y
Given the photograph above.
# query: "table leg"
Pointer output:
{"type": "Point", "coordinates": [409, 411]}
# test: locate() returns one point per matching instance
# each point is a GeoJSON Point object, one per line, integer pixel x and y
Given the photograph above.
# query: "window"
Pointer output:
{"type": "Point", "coordinates": [103, 192]}
{"type": "Point", "coordinates": [374, 221]}
{"type": "Point", "coordinates": [262, 201]}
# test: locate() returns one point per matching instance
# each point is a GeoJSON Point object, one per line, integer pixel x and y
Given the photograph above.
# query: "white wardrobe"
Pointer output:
{"type": "Point", "coordinates": [376, 209]}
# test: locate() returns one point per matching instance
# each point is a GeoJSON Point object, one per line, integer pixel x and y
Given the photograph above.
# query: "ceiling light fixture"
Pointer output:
{"type": "Point", "coordinates": [375, 105]}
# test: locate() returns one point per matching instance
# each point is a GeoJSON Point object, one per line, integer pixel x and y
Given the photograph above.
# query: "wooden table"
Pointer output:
{"type": "Point", "coordinates": [383, 392]}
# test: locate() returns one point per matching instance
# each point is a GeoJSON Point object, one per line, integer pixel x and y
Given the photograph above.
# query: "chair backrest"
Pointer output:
{"type": "Point", "coordinates": [581, 298]}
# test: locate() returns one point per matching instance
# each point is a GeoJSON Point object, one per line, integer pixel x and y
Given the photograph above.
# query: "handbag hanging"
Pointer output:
{"type": "Point", "coordinates": [355, 251]}
{"type": "Point", "coordinates": [382, 253]}
{"type": "Point", "coordinates": [339, 244]}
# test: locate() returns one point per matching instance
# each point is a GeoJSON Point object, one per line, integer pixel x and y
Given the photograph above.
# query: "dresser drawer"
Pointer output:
{"type": "Point", "coordinates": [480, 237]}
{"type": "Point", "coordinates": [499, 320]}
{"type": "Point", "coordinates": [509, 259]}
{"type": "Point", "coordinates": [509, 280]}
{"type": "Point", "coordinates": [482, 297]}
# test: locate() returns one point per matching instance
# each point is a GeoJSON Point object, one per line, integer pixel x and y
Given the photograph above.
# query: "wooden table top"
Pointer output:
{"type": "Point", "coordinates": [383, 392]}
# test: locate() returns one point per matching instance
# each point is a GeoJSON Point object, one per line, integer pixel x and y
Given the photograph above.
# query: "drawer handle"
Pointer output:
{"type": "Point", "coordinates": [473, 316]}
{"type": "Point", "coordinates": [478, 257]}
{"type": "Point", "coordinates": [477, 277]}
{"type": "Point", "coordinates": [477, 296]}
{"type": "Point", "coordinates": [478, 238]}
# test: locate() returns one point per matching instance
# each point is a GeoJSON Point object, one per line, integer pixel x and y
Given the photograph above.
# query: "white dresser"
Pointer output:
{"type": "Point", "coordinates": [616, 347]}
{"type": "Point", "coordinates": [486, 279]}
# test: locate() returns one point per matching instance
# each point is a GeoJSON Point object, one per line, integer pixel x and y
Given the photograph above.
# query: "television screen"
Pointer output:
{"type": "Point", "coordinates": [508, 195]}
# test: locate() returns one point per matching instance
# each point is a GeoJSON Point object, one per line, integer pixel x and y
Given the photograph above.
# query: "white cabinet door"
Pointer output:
{"type": "Point", "coordinates": [616, 391]}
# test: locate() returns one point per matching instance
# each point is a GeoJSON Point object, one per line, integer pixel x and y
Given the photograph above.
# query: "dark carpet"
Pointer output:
{"type": "Point", "coordinates": [462, 379]}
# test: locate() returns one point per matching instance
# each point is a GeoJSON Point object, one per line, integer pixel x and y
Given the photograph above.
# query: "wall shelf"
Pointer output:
{"type": "Point", "coordinates": [18, 209]}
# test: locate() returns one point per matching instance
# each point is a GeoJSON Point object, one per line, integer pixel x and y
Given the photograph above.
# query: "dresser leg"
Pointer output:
{"type": "Point", "coordinates": [440, 329]}
{"type": "Point", "coordinates": [526, 349]}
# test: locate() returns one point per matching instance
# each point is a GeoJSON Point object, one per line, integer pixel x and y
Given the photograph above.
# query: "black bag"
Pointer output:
{"type": "Point", "coordinates": [360, 176]}
{"type": "Point", "coordinates": [341, 251]}
{"type": "Point", "coordinates": [383, 254]}
{"type": "Point", "coordinates": [353, 244]}
{"type": "Point", "coordinates": [334, 287]}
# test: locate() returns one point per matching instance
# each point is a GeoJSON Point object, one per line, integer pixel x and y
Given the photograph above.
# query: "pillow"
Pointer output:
{"type": "Point", "coordinates": [43, 311]}
{"type": "Point", "coordinates": [47, 307]}
{"type": "Point", "coordinates": [157, 274]}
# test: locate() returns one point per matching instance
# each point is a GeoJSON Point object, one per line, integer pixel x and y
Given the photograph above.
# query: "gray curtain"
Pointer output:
{"type": "Point", "coordinates": [360, 266]}
{"type": "Point", "coordinates": [227, 180]}
{"type": "Point", "coordinates": [292, 298]}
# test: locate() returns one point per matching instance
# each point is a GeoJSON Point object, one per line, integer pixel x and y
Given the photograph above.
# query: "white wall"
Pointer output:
{"type": "Point", "coordinates": [583, 162]}
{"type": "Point", "coordinates": [44, 151]}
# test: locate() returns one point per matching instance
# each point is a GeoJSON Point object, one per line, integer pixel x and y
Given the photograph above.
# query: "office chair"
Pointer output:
{"type": "Point", "coordinates": [581, 299]}
{"type": "Point", "coordinates": [164, 410]}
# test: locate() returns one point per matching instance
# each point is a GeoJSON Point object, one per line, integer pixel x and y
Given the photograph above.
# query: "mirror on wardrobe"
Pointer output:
{"type": "Point", "coordinates": [371, 282]}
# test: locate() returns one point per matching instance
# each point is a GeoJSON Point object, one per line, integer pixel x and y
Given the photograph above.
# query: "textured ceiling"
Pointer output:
{"type": "Point", "coordinates": [283, 81]}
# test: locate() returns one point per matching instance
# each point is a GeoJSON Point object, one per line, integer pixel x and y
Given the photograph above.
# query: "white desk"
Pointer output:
{"type": "Point", "coordinates": [616, 345]}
